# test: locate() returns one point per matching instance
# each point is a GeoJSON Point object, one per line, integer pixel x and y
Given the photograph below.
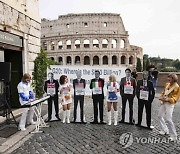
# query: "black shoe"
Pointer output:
{"type": "Point", "coordinates": [102, 122]}
{"type": "Point", "coordinates": [138, 125]}
{"type": "Point", "coordinates": [131, 123]}
{"type": "Point", "coordinates": [48, 120]}
{"type": "Point", "coordinates": [58, 119]}
{"type": "Point", "coordinates": [73, 121]}
{"type": "Point", "coordinates": [83, 122]}
{"type": "Point", "coordinates": [122, 121]}
{"type": "Point", "coordinates": [94, 122]}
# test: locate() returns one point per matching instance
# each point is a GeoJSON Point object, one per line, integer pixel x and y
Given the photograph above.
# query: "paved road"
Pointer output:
{"type": "Point", "coordinates": [79, 138]}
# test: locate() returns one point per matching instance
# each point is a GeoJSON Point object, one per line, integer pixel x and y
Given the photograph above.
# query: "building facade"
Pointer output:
{"type": "Point", "coordinates": [89, 39]}
{"type": "Point", "coordinates": [20, 32]}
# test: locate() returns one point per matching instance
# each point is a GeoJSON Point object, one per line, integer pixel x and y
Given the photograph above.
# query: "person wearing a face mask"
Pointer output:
{"type": "Point", "coordinates": [127, 92]}
{"type": "Point", "coordinates": [169, 97]}
{"type": "Point", "coordinates": [79, 85]}
{"type": "Point", "coordinates": [145, 94]}
{"type": "Point", "coordinates": [51, 87]}
{"type": "Point", "coordinates": [97, 85]}
{"type": "Point", "coordinates": [25, 96]}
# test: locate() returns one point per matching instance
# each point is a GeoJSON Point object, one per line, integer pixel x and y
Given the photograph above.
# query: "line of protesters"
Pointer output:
{"type": "Point", "coordinates": [128, 88]}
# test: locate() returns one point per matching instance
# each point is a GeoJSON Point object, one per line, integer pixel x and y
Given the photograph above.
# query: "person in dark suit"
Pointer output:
{"type": "Point", "coordinates": [79, 85]}
{"type": "Point", "coordinates": [145, 94]}
{"type": "Point", "coordinates": [51, 87]}
{"type": "Point", "coordinates": [127, 91]}
{"type": "Point", "coordinates": [97, 85]}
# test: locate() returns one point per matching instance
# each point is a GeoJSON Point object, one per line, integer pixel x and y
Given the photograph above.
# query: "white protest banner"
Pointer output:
{"type": "Point", "coordinates": [87, 73]}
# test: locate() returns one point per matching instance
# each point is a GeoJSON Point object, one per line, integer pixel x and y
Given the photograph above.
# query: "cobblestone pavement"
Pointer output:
{"type": "Point", "coordinates": [89, 138]}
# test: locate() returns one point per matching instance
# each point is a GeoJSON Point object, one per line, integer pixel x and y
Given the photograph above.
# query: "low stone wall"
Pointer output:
{"type": "Point", "coordinates": [162, 77]}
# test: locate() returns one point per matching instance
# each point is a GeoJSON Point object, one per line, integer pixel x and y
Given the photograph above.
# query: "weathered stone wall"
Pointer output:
{"type": "Point", "coordinates": [25, 23]}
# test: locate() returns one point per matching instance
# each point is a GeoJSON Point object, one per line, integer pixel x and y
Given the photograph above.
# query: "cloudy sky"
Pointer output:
{"type": "Point", "coordinates": [153, 25]}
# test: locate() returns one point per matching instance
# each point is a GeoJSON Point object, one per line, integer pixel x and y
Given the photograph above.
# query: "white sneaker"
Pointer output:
{"type": "Point", "coordinates": [22, 129]}
{"type": "Point", "coordinates": [173, 138]}
{"type": "Point", "coordinates": [163, 133]}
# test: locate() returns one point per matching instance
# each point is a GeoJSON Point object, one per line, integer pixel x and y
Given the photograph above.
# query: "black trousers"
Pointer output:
{"type": "Point", "coordinates": [147, 104]}
{"type": "Point", "coordinates": [130, 99]}
{"type": "Point", "coordinates": [99, 102]}
{"type": "Point", "coordinates": [81, 100]}
{"type": "Point", "coordinates": [56, 106]}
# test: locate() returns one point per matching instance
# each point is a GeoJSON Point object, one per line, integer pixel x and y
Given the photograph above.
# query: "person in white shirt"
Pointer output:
{"type": "Point", "coordinates": [25, 96]}
{"type": "Point", "coordinates": [112, 98]}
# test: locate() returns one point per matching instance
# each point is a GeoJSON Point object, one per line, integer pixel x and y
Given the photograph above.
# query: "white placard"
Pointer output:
{"type": "Point", "coordinates": [144, 95]}
{"type": "Point", "coordinates": [97, 91]}
{"type": "Point", "coordinates": [128, 89]}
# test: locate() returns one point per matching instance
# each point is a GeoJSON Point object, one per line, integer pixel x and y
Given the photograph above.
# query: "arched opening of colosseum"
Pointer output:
{"type": "Point", "coordinates": [122, 43]}
{"type": "Point", "coordinates": [123, 60]}
{"type": "Point", "coordinates": [52, 45]}
{"type": "Point", "coordinates": [86, 43]}
{"type": "Point", "coordinates": [68, 44]}
{"type": "Point", "coordinates": [85, 24]}
{"type": "Point", "coordinates": [113, 43]}
{"type": "Point", "coordinates": [60, 45]}
{"type": "Point", "coordinates": [95, 60]}
{"type": "Point", "coordinates": [104, 43]}
{"type": "Point", "coordinates": [77, 44]}
{"type": "Point", "coordinates": [60, 60]}
{"type": "Point", "coordinates": [86, 60]}
{"type": "Point", "coordinates": [95, 43]}
{"type": "Point", "coordinates": [131, 60]}
{"type": "Point", "coordinates": [105, 60]}
{"type": "Point", "coordinates": [52, 58]}
{"type": "Point", "coordinates": [44, 45]}
{"type": "Point", "coordinates": [68, 60]}
{"type": "Point", "coordinates": [77, 60]}
{"type": "Point", "coordinates": [105, 24]}
{"type": "Point", "coordinates": [114, 60]}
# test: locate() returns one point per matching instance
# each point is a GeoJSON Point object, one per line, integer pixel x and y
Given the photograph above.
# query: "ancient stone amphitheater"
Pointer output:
{"type": "Point", "coordinates": [89, 39]}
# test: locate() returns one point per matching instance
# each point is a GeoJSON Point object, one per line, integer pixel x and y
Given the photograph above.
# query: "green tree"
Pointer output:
{"type": "Point", "coordinates": [147, 63]}
{"type": "Point", "coordinates": [176, 64]}
{"type": "Point", "coordinates": [41, 63]}
{"type": "Point", "coordinates": [139, 66]}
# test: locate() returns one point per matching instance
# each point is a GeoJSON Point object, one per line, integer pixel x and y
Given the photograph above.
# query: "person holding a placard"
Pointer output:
{"type": "Point", "coordinates": [25, 96]}
{"type": "Point", "coordinates": [51, 87]}
{"type": "Point", "coordinates": [127, 91]}
{"type": "Point", "coordinates": [97, 85]}
{"type": "Point", "coordinates": [169, 98]}
{"type": "Point", "coordinates": [66, 97]}
{"type": "Point", "coordinates": [112, 98]}
{"type": "Point", "coordinates": [79, 85]}
{"type": "Point", "coordinates": [145, 94]}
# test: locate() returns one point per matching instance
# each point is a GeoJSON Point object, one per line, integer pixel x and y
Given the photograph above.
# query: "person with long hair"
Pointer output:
{"type": "Point", "coordinates": [25, 96]}
{"type": "Point", "coordinates": [65, 97]}
{"type": "Point", "coordinates": [169, 98]}
{"type": "Point", "coordinates": [112, 98]}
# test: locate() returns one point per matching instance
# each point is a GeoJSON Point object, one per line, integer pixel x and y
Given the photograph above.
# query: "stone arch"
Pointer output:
{"type": "Point", "coordinates": [52, 58]}
{"type": "Point", "coordinates": [60, 45]}
{"type": "Point", "coordinates": [77, 60]}
{"type": "Point", "coordinates": [68, 44]}
{"type": "Point", "coordinates": [123, 59]}
{"type": "Point", "coordinates": [105, 60]}
{"type": "Point", "coordinates": [104, 43]}
{"type": "Point", "coordinates": [44, 45]}
{"type": "Point", "coordinates": [52, 45]}
{"type": "Point", "coordinates": [60, 60]}
{"type": "Point", "coordinates": [114, 60]}
{"type": "Point", "coordinates": [95, 60]}
{"type": "Point", "coordinates": [86, 43]}
{"type": "Point", "coordinates": [68, 60]}
{"type": "Point", "coordinates": [96, 43]}
{"type": "Point", "coordinates": [131, 60]}
{"type": "Point", "coordinates": [114, 43]}
{"type": "Point", "coordinates": [86, 60]}
{"type": "Point", "coordinates": [77, 44]}
{"type": "Point", "coordinates": [122, 43]}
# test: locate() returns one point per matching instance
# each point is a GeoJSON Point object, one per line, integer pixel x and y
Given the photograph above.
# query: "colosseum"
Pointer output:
{"type": "Point", "coordinates": [89, 39]}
